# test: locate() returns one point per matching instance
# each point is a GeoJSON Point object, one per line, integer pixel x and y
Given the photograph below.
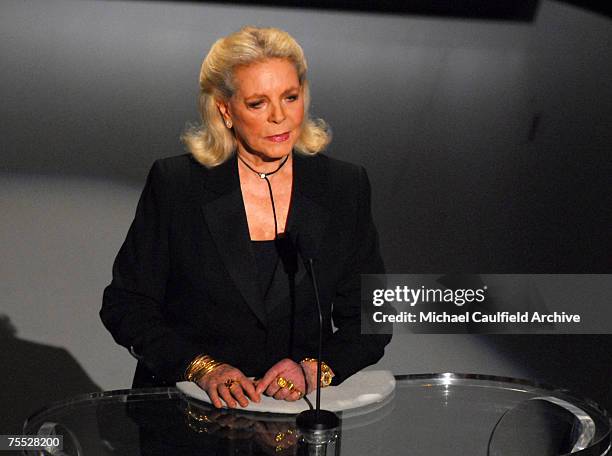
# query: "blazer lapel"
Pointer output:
{"type": "Point", "coordinates": [309, 213]}
{"type": "Point", "coordinates": [225, 216]}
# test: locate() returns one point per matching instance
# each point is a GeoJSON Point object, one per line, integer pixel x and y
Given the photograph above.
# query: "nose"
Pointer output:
{"type": "Point", "coordinates": [277, 113]}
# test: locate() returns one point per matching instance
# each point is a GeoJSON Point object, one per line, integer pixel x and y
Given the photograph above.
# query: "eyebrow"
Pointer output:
{"type": "Point", "coordinates": [261, 95]}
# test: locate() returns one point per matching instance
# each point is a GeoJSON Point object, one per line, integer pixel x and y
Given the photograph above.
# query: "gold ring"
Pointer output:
{"type": "Point", "coordinates": [197, 421]}
{"type": "Point", "coordinates": [199, 417]}
{"type": "Point", "coordinates": [230, 382]}
{"type": "Point", "coordinates": [282, 382]}
{"type": "Point", "coordinates": [279, 437]}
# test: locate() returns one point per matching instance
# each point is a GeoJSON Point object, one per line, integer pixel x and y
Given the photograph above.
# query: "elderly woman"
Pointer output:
{"type": "Point", "coordinates": [199, 289]}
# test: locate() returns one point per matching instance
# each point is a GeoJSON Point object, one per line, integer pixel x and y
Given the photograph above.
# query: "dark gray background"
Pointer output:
{"type": "Point", "coordinates": [487, 144]}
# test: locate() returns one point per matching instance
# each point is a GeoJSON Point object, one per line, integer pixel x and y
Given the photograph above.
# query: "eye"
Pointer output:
{"type": "Point", "coordinates": [255, 104]}
{"type": "Point", "coordinates": [292, 97]}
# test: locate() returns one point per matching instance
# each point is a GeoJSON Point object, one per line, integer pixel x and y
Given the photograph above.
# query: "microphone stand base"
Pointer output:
{"type": "Point", "coordinates": [318, 433]}
{"type": "Point", "coordinates": [313, 421]}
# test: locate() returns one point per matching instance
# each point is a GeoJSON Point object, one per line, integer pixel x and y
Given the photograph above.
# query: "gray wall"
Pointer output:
{"type": "Point", "coordinates": [487, 144]}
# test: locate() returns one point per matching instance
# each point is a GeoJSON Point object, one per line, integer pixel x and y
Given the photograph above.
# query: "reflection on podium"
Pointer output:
{"type": "Point", "coordinates": [428, 414]}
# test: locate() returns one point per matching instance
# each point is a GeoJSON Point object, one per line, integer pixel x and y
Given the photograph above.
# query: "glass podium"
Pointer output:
{"type": "Point", "coordinates": [427, 415]}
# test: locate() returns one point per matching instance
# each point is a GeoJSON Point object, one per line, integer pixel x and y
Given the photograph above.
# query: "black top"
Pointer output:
{"type": "Point", "coordinates": [266, 258]}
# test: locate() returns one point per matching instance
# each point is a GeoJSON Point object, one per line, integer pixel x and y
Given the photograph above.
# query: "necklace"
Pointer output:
{"type": "Point", "coordinates": [265, 176]}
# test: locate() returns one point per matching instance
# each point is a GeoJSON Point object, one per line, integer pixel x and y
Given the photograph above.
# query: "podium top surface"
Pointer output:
{"type": "Point", "coordinates": [427, 414]}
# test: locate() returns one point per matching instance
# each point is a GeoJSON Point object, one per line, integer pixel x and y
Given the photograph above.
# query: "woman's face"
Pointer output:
{"type": "Point", "coordinates": [267, 109]}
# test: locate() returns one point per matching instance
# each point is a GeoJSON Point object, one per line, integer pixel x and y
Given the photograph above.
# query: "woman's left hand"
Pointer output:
{"type": "Point", "coordinates": [288, 370]}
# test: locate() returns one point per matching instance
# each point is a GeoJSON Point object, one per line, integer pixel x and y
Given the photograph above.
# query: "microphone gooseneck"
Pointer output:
{"type": "Point", "coordinates": [320, 347]}
{"type": "Point", "coordinates": [317, 421]}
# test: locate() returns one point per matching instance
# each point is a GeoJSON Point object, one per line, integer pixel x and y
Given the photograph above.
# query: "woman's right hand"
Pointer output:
{"type": "Point", "coordinates": [215, 385]}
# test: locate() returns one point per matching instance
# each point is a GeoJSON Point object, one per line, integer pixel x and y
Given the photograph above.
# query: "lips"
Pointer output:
{"type": "Point", "coordinates": [279, 138]}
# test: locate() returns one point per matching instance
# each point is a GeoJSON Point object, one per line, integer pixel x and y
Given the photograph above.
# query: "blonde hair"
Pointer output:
{"type": "Point", "coordinates": [211, 143]}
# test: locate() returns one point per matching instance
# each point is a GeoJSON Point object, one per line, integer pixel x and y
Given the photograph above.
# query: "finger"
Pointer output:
{"type": "Point", "coordinates": [236, 391]}
{"type": "Point", "coordinates": [243, 423]}
{"type": "Point", "coordinates": [294, 395]}
{"type": "Point", "coordinates": [267, 380]}
{"type": "Point", "coordinates": [266, 442]}
{"type": "Point", "coordinates": [214, 414]}
{"type": "Point", "coordinates": [272, 389]}
{"type": "Point", "coordinates": [292, 438]}
{"type": "Point", "coordinates": [225, 394]}
{"type": "Point", "coordinates": [259, 428]}
{"type": "Point", "coordinates": [281, 394]}
{"type": "Point", "coordinates": [250, 390]}
{"type": "Point", "coordinates": [214, 396]}
{"type": "Point", "coordinates": [276, 427]}
{"type": "Point", "coordinates": [226, 420]}
{"type": "Point", "coordinates": [213, 428]}
{"type": "Point", "coordinates": [299, 384]}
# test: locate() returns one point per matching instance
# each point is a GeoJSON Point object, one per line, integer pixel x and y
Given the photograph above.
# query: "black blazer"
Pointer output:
{"type": "Point", "coordinates": [185, 280]}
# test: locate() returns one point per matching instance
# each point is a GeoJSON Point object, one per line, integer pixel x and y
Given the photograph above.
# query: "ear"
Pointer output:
{"type": "Point", "coordinates": [223, 108]}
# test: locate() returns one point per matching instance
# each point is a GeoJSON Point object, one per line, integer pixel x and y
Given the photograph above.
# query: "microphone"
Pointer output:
{"type": "Point", "coordinates": [317, 426]}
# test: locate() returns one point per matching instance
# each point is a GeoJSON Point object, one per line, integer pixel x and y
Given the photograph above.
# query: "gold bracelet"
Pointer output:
{"type": "Point", "coordinates": [199, 367]}
{"type": "Point", "coordinates": [326, 373]}
{"type": "Point", "coordinates": [193, 367]}
{"type": "Point", "coordinates": [206, 368]}
{"type": "Point", "coordinates": [203, 368]}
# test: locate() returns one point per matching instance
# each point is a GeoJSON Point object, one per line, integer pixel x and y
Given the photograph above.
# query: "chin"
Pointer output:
{"type": "Point", "coordinates": [277, 151]}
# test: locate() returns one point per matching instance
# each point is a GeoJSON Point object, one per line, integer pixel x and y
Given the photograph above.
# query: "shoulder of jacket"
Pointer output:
{"type": "Point", "coordinates": [339, 168]}
{"type": "Point", "coordinates": [173, 176]}
{"type": "Point", "coordinates": [345, 175]}
{"type": "Point", "coordinates": [176, 166]}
